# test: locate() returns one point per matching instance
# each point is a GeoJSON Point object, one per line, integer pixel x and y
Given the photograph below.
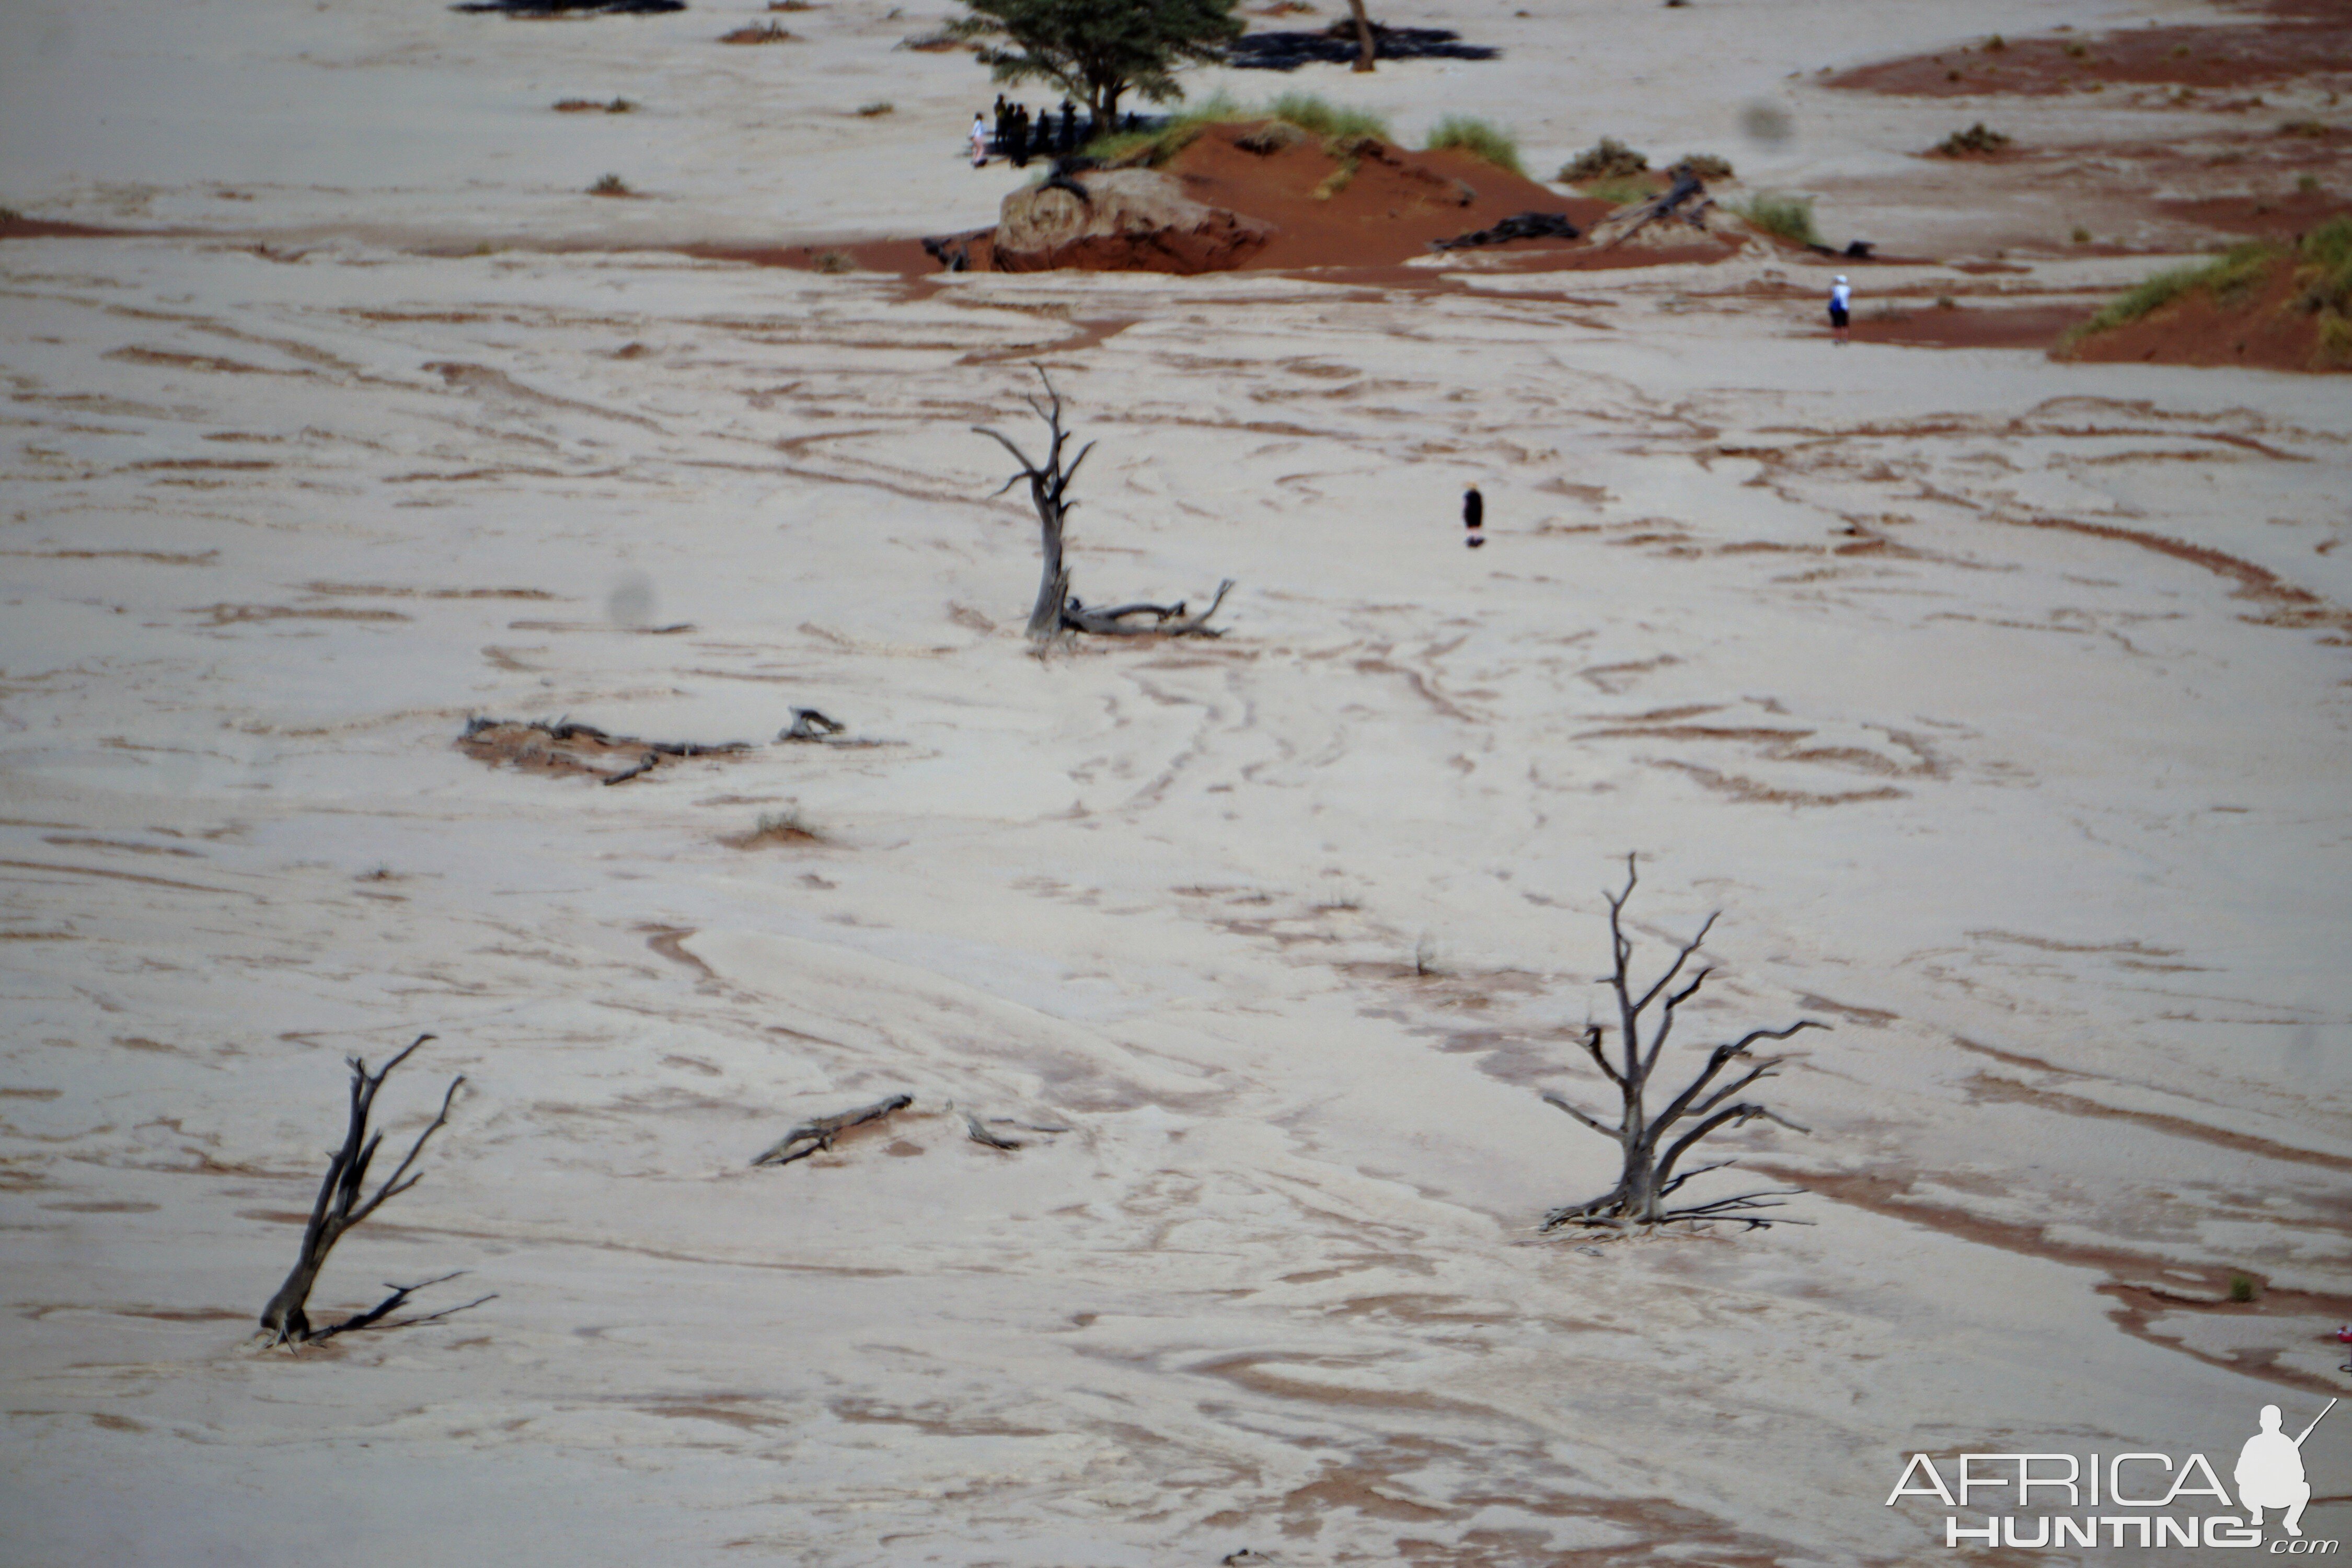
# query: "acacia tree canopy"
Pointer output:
{"type": "Point", "coordinates": [1099, 51]}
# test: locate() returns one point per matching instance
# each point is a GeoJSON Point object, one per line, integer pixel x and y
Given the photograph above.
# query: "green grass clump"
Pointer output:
{"type": "Point", "coordinates": [1622, 191]}
{"type": "Point", "coordinates": [1154, 147]}
{"type": "Point", "coordinates": [2228, 276]}
{"type": "Point", "coordinates": [1791, 217]}
{"type": "Point", "coordinates": [1482, 139]}
{"type": "Point", "coordinates": [1334, 124]}
{"type": "Point", "coordinates": [2241, 1287]}
{"type": "Point", "coordinates": [1330, 121]}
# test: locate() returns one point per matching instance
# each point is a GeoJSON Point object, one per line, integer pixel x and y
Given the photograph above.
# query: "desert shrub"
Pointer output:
{"type": "Point", "coordinates": [1622, 191]}
{"type": "Point", "coordinates": [1319, 117]}
{"type": "Point", "coordinates": [790, 5]}
{"type": "Point", "coordinates": [590, 106]}
{"type": "Point", "coordinates": [1975, 140]}
{"type": "Point", "coordinates": [2304, 128]}
{"type": "Point", "coordinates": [1791, 217]}
{"type": "Point", "coordinates": [10, 215]}
{"type": "Point", "coordinates": [1606, 159]}
{"type": "Point", "coordinates": [2077, 51]}
{"type": "Point", "coordinates": [767, 33]}
{"type": "Point", "coordinates": [2326, 273]}
{"type": "Point", "coordinates": [879, 106]}
{"type": "Point", "coordinates": [2082, 234]}
{"type": "Point", "coordinates": [1482, 139]}
{"type": "Point", "coordinates": [836, 261]}
{"type": "Point", "coordinates": [611, 185]}
{"type": "Point", "coordinates": [2307, 184]}
{"type": "Point", "coordinates": [1706, 165]}
{"type": "Point", "coordinates": [2241, 1287]}
{"type": "Point", "coordinates": [1995, 44]}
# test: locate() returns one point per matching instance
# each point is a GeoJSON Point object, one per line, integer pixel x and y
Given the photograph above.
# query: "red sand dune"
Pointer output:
{"type": "Point", "coordinates": [1396, 203]}
{"type": "Point", "coordinates": [2313, 42]}
{"type": "Point", "coordinates": [2265, 328]}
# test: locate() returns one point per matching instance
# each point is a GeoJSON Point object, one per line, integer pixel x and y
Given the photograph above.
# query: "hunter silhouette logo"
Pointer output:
{"type": "Point", "coordinates": [2270, 1472]}
{"type": "Point", "coordinates": [2132, 1499]}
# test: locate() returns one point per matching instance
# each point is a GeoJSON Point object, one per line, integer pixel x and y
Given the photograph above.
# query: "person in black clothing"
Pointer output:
{"type": "Point", "coordinates": [1473, 517]}
{"type": "Point", "coordinates": [1069, 126]}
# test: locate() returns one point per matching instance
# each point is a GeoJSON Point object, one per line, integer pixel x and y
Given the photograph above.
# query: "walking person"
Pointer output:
{"type": "Point", "coordinates": [1473, 517]}
{"type": "Point", "coordinates": [1841, 312]}
{"type": "Point", "coordinates": [979, 140]}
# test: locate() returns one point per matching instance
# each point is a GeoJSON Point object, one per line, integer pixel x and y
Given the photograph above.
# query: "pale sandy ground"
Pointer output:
{"type": "Point", "coordinates": [2051, 827]}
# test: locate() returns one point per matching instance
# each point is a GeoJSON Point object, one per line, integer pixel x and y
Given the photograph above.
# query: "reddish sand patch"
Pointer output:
{"type": "Point", "coordinates": [15, 226]}
{"type": "Point", "coordinates": [2316, 44]}
{"type": "Point", "coordinates": [1387, 211]}
{"type": "Point", "coordinates": [2264, 329]}
{"type": "Point", "coordinates": [1968, 327]}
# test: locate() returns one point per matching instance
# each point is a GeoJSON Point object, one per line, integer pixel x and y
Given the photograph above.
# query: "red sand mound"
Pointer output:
{"type": "Point", "coordinates": [1387, 211]}
{"type": "Point", "coordinates": [2266, 326]}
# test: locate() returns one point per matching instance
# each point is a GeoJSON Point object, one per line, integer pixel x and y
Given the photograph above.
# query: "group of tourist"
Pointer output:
{"type": "Point", "coordinates": [1020, 135]}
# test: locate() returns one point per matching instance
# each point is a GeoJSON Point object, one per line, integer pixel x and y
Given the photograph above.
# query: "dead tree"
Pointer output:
{"type": "Point", "coordinates": [1365, 47]}
{"type": "Point", "coordinates": [1057, 610]}
{"type": "Point", "coordinates": [340, 1207]}
{"type": "Point", "coordinates": [1709, 1103]}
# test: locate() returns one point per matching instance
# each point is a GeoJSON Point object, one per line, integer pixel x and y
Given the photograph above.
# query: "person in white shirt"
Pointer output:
{"type": "Point", "coordinates": [979, 140]}
{"type": "Point", "coordinates": [1841, 310]}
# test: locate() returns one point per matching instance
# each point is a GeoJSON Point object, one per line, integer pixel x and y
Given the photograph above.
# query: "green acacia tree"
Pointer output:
{"type": "Point", "coordinates": [1098, 51]}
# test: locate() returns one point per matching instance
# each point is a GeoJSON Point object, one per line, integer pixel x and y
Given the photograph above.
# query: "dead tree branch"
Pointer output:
{"type": "Point", "coordinates": [808, 724]}
{"type": "Point", "coordinates": [340, 1206]}
{"type": "Point", "coordinates": [1651, 1145]}
{"type": "Point", "coordinates": [1057, 610]}
{"type": "Point", "coordinates": [812, 1136]}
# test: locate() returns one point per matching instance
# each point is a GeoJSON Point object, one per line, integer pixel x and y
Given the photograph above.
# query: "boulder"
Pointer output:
{"type": "Point", "coordinates": [1126, 220]}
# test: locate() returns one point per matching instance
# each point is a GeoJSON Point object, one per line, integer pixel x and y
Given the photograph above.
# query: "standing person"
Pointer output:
{"type": "Point", "coordinates": [1841, 312]}
{"type": "Point", "coordinates": [979, 140]}
{"type": "Point", "coordinates": [1473, 517]}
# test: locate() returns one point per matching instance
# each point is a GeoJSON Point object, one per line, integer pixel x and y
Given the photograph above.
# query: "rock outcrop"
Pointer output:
{"type": "Point", "coordinates": [1121, 220]}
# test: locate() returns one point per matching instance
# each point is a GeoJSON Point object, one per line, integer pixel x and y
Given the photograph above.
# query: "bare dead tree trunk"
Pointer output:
{"type": "Point", "coordinates": [819, 1132]}
{"type": "Point", "coordinates": [1365, 47]}
{"type": "Point", "coordinates": [1652, 1150]}
{"type": "Point", "coordinates": [1048, 488]}
{"type": "Point", "coordinates": [1057, 610]}
{"type": "Point", "coordinates": [340, 1207]}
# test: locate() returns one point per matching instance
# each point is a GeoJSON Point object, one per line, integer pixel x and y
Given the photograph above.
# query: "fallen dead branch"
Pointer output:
{"type": "Point", "coordinates": [565, 747]}
{"type": "Point", "coordinates": [814, 1136]}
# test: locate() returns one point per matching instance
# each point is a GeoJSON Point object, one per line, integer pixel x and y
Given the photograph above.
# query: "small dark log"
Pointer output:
{"type": "Point", "coordinates": [808, 724]}
{"type": "Point", "coordinates": [651, 761]}
{"type": "Point", "coordinates": [810, 1137]}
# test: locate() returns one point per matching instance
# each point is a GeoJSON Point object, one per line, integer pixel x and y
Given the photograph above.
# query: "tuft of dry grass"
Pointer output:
{"type": "Point", "coordinates": [1607, 159]}
{"type": "Point", "coordinates": [767, 33]}
{"type": "Point", "coordinates": [878, 107]}
{"type": "Point", "coordinates": [1977, 140]}
{"type": "Point", "coordinates": [776, 828]}
{"type": "Point", "coordinates": [611, 185]}
{"type": "Point", "coordinates": [590, 106]}
{"type": "Point", "coordinates": [836, 261]}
